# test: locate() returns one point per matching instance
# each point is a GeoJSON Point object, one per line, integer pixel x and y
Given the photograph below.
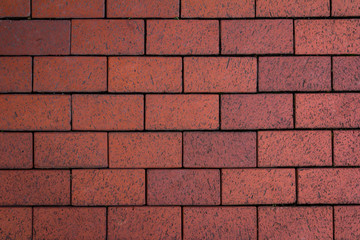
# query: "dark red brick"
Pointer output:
{"type": "Point", "coordinates": [14, 8]}
{"type": "Point", "coordinates": [186, 37]}
{"type": "Point", "coordinates": [183, 187]}
{"type": "Point", "coordinates": [347, 222]}
{"type": "Point", "coordinates": [347, 148]}
{"type": "Point", "coordinates": [294, 74]}
{"type": "Point", "coordinates": [16, 150]}
{"type": "Point", "coordinates": [257, 36]}
{"type": "Point", "coordinates": [41, 37]}
{"type": "Point", "coordinates": [345, 8]}
{"type": "Point", "coordinates": [15, 223]}
{"type": "Point", "coordinates": [108, 187]}
{"type": "Point", "coordinates": [258, 186]}
{"type": "Point", "coordinates": [145, 150]}
{"type": "Point", "coordinates": [144, 223]}
{"type": "Point", "coordinates": [346, 73]}
{"type": "Point", "coordinates": [260, 111]}
{"type": "Point", "coordinates": [145, 74]}
{"type": "Point", "coordinates": [15, 74]}
{"type": "Point", "coordinates": [220, 74]}
{"type": "Point", "coordinates": [107, 37]}
{"type": "Point", "coordinates": [219, 149]}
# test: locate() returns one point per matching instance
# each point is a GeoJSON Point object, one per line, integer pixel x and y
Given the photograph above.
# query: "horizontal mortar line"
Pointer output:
{"type": "Point", "coordinates": [203, 206]}
{"type": "Point", "coordinates": [188, 55]}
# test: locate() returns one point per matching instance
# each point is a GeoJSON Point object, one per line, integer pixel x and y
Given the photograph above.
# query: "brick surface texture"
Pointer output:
{"type": "Point", "coordinates": [179, 119]}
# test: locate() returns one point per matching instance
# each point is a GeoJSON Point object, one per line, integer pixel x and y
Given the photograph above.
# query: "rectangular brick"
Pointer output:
{"type": "Point", "coordinates": [183, 187]}
{"type": "Point", "coordinates": [70, 150]}
{"type": "Point", "coordinates": [260, 111]}
{"type": "Point", "coordinates": [220, 223]}
{"type": "Point", "coordinates": [294, 148]}
{"type": "Point", "coordinates": [145, 150]}
{"type": "Point", "coordinates": [327, 36]}
{"type": "Point", "coordinates": [347, 148]}
{"type": "Point", "coordinates": [257, 36]}
{"type": "Point", "coordinates": [35, 112]}
{"type": "Point", "coordinates": [186, 37]}
{"type": "Point", "coordinates": [346, 73]}
{"type": "Point", "coordinates": [294, 74]}
{"type": "Point", "coordinates": [14, 8]}
{"type": "Point", "coordinates": [144, 223]}
{"type": "Point", "coordinates": [347, 222]}
{"type": "Point", "coordinates": [335, 110]}
{"type": "Point", "coordinates": [107, 37]}
{"type": "Point", "coordinates": [16, 150]}
{"type": "Point", "coordinates": [219, 149]}
{"type": "Point", "coordinates": [172, 112]}
{"type": "Point", "coordinates": [329, 186]}
{"type": "Point", "coordinates": [108, 187]}
{"type": "Point", "coordinates": [220, 74]}
{"type": "Point", "coordinates": [107, 112]}
{"type": "Point", "coordinates": [35, 187]}
{"type": "Point", "coordinates": [43, 37]}
{"type": "Point", "coordinates": [15, 74]}
{"type": "Point", "coordinates": [69, 223]}
{"type": "Point", "coordinates": [258, 186]}
{"type": "Point", "coordinates": [145, 74]}
{"type": "Point", "coordinates": [295, 223]}
{"type": "Point", "coordinates": [16, 223]}
{"type": "Point", "coordinates": [345, 8]}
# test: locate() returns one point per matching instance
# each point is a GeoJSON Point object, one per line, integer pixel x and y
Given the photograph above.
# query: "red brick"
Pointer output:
{"type": "Point", "coordinates": [108, 187]}
{"type": "Point", "coordinates": [220, 223]}
{"type": "Point", "coordinates": [346, 73]}
{"type": "Point", "coordinates": [256, 36]}
{"type": "Point", "coordinates": [70, 74]}
{"type": "Point", "coordinates": [344, 8]}
{"type": "Point", "coordinates": [347, 148]}
{"type": "Point", "coordinates": [107, 112]}
{"type": "Point", "coordinates": [41, 37]}
{"type": "Point", "coordinates": [295, 223]}
{"type": "Point", "coordinates": [15, 74]}
{"type": "Point", "coordinates": [262, 111]}
{"type": "Point", "coordinates": [186, 37]}
{"type": "Point", "coordinates": [294, 74]}
{"type": "Point", "coordinates": [171, 112]}
{"type": "Point", "coordinates": [70, 150]}
{"type": "Point", "coordinates": [219, 149]}
{"type": "Point", "coordinates": [142, 9]}
{"type": "Point", "coordinates": [145, 74]}
{"type": "Point", "coordinates": [15, 223]}
{"type": "Point", "coordinates": [34, 112]}
{"type": "Point", "coordinates": [14, 8]}
{"type": "Point", "coordinates": [183, 187]}
{"type": "Point", "coordinates": [327, 36]}
{"type": "Point", "coordinates": [145, 150]}
{"type": "Point", "coordinates": [34, 187]}
{"type": "Point", "coordinates": [292, 8]}
{"type": "Point", "coordinates": [68, 9]}
{"type": "Point", "coordinates": [69, 223]}
{"type": "Point", "coordinates": [294, 148]}
{"type": "Point", "coordinates": [347, 222]}
{"type": "Point", "coordinates": [16, 150]}
{"type": "Point", "coordinates": [334, 110]}
{"type": "Point", "coordinates": [145, 223]}
{"type": "Point", "coordinates": [329, 186]}
{"type": "Point", "coordinates": [220, 74]}
{"type": "Point", "coordinates": [217, 8]}
{"type": "Point", "coordinates": [258, 186]}
{"type": "Point", "coordinates": [107, 37]}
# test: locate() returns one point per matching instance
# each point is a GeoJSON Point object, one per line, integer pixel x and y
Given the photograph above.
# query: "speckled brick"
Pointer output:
{"type": "Point", "coordinates": [260, 111]}
{"type": "Point", "coordinates": [108, 187]}
{"type": "Point", "coordinates": [15, 74]}
{"type": "Point", "coordinates": [220, 223]}
{"type": "Point", "coordinates": [145, 74]}
{"type": "Point", "coordinates": [35, 187]}
{"type": "Point", "coordinates": [347, 222]}
{"type": "Point", "coordinates": [258, 186]}
{"type": "Point", "coordinates": [219, 149]}
{"type": "Point", "coordinates": [16, 150]}
{"type": "Point", "coordinates": [145, 150]}
{"type": "Point", "coordinates": [107, 112]}
{"type": "Point", "coordinates": [69, 223]}
{"type": "Point", "coordinates": [14, 8]}
{"type": "Point", "coordinates": [346, 71]}
{"type": "Point", "coordinates": [70, 150]}
{"type": "Point", "coordinates": [183, 187]}
{"type": "Point", "coordinates": [329, 186]}
{"type": "Point", "coordinates": [294, 148]}
{"type": "Point", "coordinates": [144, 223]}
{"type": "Point", "coordinates": [347, 148]}
{"type": "Point", "coordinates": [345, 8]}
{"type": "Point", "coordinates": [295, 223]}
{"type": "Point", "coordinates": [186, 37]}
{"type": "Point", "coordinates": [294, 74]}
{"type": "Point", "coordinates": [220, 74]}
{"type": "Point", "coordinates": [15, 223]}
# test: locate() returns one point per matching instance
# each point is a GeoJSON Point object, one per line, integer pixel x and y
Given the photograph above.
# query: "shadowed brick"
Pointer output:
{"type": "Point", "coordinates": [346, 72]}
{"type": "Point", "coordinates": [16, 150]}
{"type": "Point", "coordinates": [15, 74]}
{"type": "Point", "coordinates": [14, 8]}
{"type": "Point", "coordinates": [345, 8]}
{"type": "Point", "coordinates": [347, 222]}
{"type": "Point", "coordinates": [15, 223]}
{"type": "Point", "coordinates": [347, 148]}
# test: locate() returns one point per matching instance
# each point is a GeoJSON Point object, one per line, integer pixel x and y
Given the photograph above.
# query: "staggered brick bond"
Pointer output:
{"type": "Point", "coordinates": [179, 119]}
